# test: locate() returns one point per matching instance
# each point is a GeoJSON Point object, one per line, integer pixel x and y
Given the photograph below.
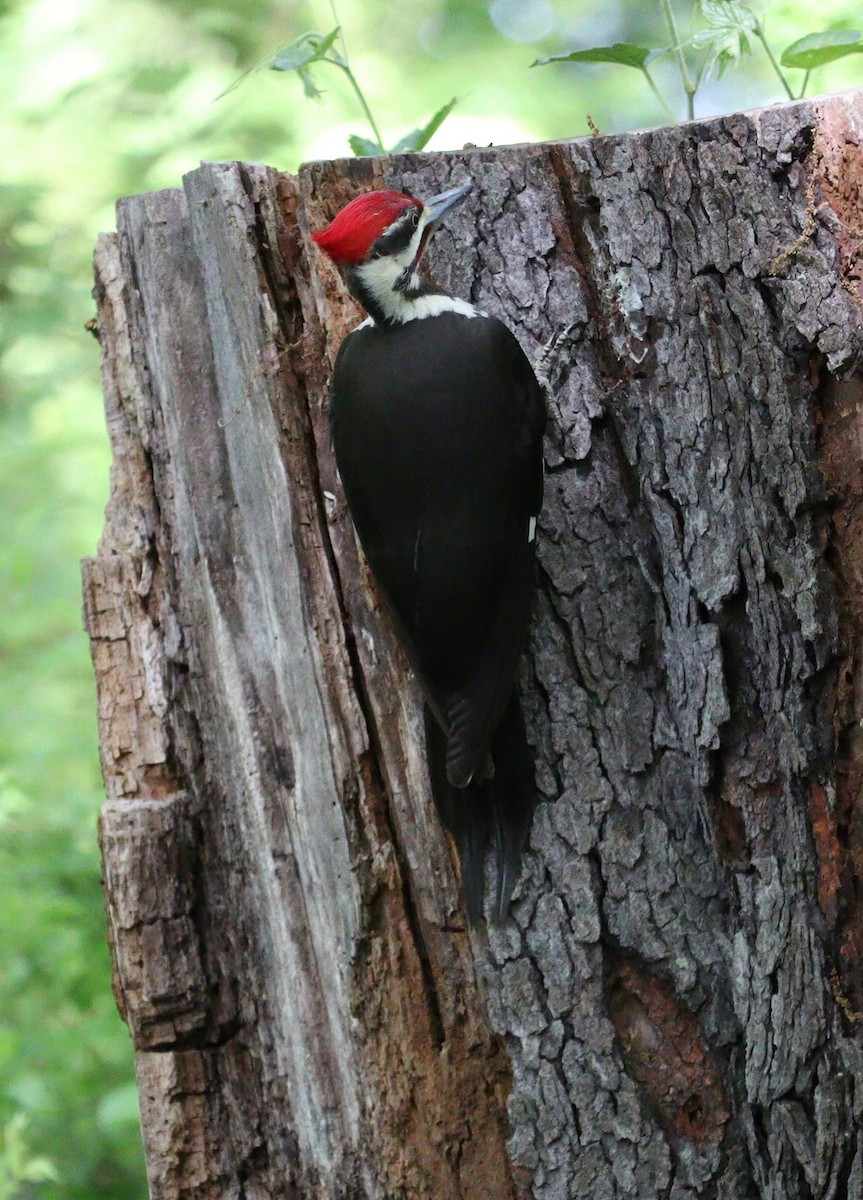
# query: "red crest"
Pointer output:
{"type": "Point", "coordinates": [349, 235]}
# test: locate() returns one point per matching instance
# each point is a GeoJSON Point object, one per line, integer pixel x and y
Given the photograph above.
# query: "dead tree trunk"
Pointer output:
{"type": "Point", "coordinates": [672, 1010]}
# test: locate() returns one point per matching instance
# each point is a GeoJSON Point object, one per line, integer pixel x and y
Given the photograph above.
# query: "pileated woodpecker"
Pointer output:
{"type": "Point", "coordinates": [437, 422]}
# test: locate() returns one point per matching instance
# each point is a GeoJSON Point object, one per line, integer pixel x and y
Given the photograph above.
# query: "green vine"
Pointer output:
{"type": "Point", "coordinates": [729, 29]}
{"type": "Point", "coordinates": [312, 49]}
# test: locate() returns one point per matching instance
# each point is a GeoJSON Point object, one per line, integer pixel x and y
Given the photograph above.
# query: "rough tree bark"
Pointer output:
{"type": "Point", "coordinates": [671, 1012]}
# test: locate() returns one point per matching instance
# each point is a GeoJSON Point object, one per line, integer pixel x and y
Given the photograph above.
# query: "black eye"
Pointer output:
{"type": "Point", "coordinates": [415, 216]}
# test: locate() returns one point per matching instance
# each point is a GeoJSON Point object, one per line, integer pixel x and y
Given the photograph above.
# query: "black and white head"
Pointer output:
{"type": "Point", "coordinates": [378, 240]}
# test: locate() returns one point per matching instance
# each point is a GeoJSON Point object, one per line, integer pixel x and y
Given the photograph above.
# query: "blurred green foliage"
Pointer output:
{"type": "Point", "coordinates": [103, 98]}
{"type": "Point", "coordinates": [17, 1163]}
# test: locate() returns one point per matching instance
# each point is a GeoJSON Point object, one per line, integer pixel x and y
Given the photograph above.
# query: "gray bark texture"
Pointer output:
{"type": "Point", "coordinates": [672, 1010]}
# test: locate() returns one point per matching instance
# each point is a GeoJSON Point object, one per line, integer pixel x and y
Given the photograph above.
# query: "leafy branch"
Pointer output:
{"type": "Point", "coordinates": [730, 28]}
{"type": "Point", "coordinates": [309, 50]}
{"type": "Point", "coordinates": [623, 53]}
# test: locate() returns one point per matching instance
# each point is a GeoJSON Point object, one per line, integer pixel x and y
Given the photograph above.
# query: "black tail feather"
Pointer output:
{"type": "Point", "coordinates": [491, 816]}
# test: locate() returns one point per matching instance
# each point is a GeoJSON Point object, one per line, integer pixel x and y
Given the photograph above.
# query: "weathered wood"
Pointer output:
{"type": "Point", "coordinates": [671, 1010]}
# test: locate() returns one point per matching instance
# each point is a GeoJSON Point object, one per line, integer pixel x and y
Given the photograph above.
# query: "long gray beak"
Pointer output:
{"type": "Point", "coordinates": [438, 205]}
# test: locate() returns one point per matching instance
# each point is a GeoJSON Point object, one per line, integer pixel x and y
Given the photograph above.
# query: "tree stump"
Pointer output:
{"type": "Point", "coordinates": [671, 1010]}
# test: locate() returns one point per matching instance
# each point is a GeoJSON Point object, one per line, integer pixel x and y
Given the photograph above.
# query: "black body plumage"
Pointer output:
{"type": "Point", "coordinates": [437, 426]}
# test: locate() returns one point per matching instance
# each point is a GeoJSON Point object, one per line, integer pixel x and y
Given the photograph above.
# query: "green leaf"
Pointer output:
{"type": "Point", "coordinates": [730, 24]}
{"type": "Point", "coordinates": [298, 56]}
{"type": "Point", "coordinates": [311, 89]}
{"type": "Point", "coordinates": [728, 15]}
{"type": "Point", "coordinates": [419, 138]}
{"type": "Point", "coordinates": [816, 49]}
{"type": "Point", "coordinates": [39, 1170]}
{"type": "Point", "coordinates": [621, 52]}
{"type": "Point", "coordinates": [364, 147]}
{"type": "Point", "coordinates": [308, 48]}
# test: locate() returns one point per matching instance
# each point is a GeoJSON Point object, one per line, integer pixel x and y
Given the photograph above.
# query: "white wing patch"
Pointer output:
{"type": "Point", "coordinates": [531, 529]}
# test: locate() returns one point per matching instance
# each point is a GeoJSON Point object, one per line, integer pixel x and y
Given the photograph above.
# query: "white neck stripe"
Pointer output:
{"type": "Point", "coordinates": [428, 306]}
{"type": "Point", "coordinates": [380, 279]}
{"type": "Point", "coordinates": [379, 276]}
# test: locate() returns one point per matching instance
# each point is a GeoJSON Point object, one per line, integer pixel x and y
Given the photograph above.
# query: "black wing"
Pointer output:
{"type": "Point", "coordinates": [437, 427]}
